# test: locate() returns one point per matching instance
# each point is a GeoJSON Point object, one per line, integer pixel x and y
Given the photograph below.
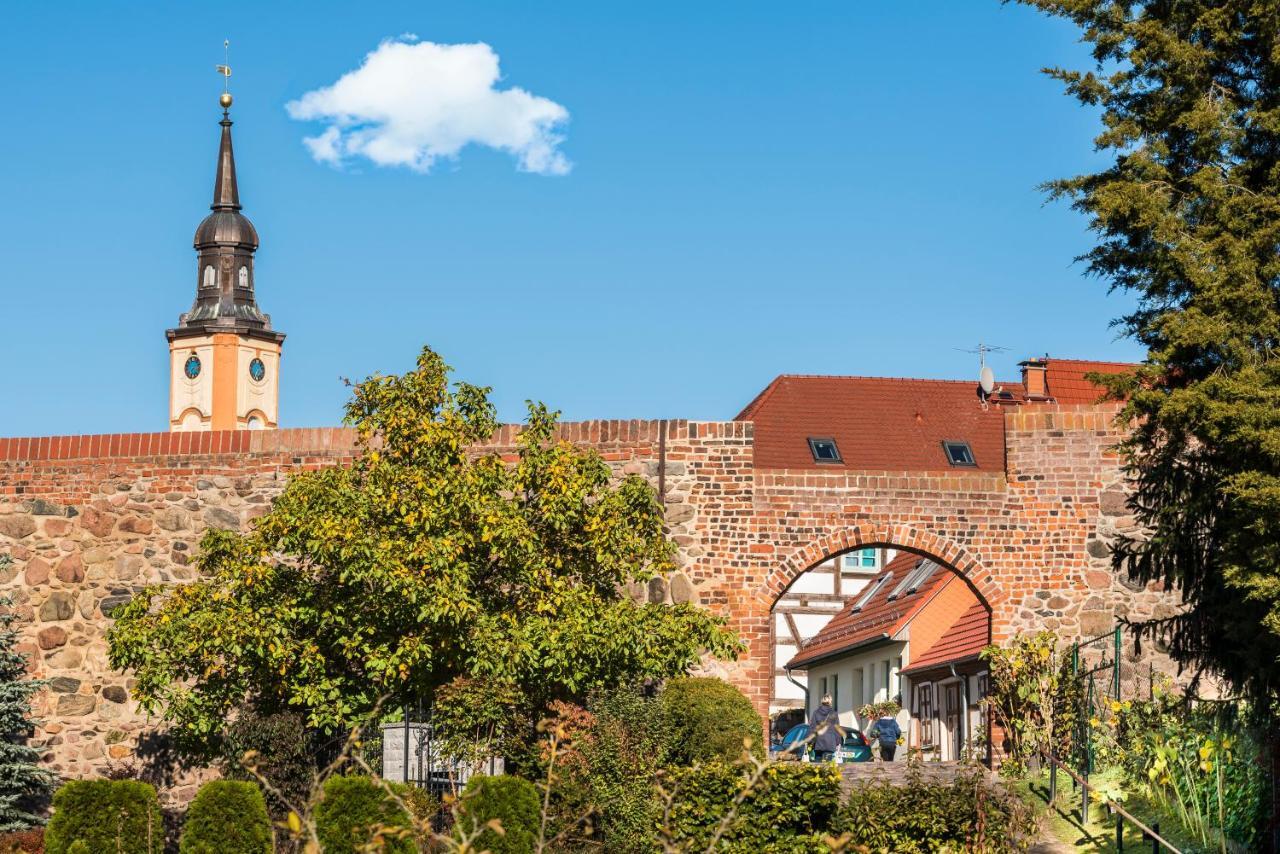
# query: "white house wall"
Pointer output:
{"type": "Point", "coordinates": [808, 605]}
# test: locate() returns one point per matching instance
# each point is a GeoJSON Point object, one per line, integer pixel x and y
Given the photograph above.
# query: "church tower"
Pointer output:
{"type": "Point", "coordinates": [224, 357]}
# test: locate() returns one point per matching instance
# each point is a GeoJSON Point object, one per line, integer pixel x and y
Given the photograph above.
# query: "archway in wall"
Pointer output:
{"type": "Point", "coordinates": [883, 622]}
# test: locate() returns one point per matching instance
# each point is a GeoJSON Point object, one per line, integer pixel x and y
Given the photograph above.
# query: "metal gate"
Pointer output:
{"type": "Point", "coordinates": [411, 753]}
{"type": "Point", "coordinates": [1095, 671]}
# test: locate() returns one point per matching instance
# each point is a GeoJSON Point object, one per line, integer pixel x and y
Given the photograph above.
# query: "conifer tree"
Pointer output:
{"type": "Point", "coordinates": [24, 785]}
{"type": "Point", "coordinates": [1188, 220]}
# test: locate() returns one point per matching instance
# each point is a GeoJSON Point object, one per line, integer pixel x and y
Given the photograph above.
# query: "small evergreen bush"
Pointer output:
{"type": "Point", "coordinates": [708, 719]}
{"type": "Point", "coordinates": [121, 816]}
{"type": "Point", "coordinates": [24, 785]}
{"type": "Point", "coordinates": [227, 817]}
{"type": "Point", "coordinates": [356, 809]}
{"type": "Point", "coordinates": [513, 801]}
{"type": "Point", "coordinates": [790, 808]}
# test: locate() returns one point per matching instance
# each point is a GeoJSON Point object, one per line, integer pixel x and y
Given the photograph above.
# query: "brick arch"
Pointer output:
{"type": "Point", "coordinates": [910, 538]}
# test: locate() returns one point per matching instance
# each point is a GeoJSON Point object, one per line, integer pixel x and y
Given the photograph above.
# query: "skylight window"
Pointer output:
{"type": "Point", "coordinates": [959, 453]}
{"type": "Point", "coordinates": [872, 589]}
{"type": "Point", "coordinates": [919, 574]}
{"type": "Point", "coordinates": [824, 450]}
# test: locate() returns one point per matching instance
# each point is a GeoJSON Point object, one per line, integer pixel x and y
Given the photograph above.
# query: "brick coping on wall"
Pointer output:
{"type": "Point", "coordinates": [335, 439]}
{"type": "Point", "coordinates": [342, 439]}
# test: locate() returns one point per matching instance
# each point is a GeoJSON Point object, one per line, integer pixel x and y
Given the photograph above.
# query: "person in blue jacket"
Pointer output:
{"type": "Point", "coordinates": [824, 728]}
{"type": "Point", "coordinates": [886, 729]}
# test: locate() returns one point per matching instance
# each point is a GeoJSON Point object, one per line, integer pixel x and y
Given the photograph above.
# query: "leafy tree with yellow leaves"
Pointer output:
{"type": "Point", "coordinates": [430, 557]}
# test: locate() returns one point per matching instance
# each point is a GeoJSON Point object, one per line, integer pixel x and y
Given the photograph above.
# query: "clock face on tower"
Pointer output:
{"type": "Point", "coordinates": [257, 370]}
{"type": "Point", "coordinates": [192, 367]}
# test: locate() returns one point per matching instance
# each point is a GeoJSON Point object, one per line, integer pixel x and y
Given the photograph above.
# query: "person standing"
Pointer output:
{"type": "Point", "coordinates": [886, 729]}
{"type": "Point", "coordinates": [824, 728]}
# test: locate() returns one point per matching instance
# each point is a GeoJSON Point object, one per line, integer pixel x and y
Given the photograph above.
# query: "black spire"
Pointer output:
{"type": "Point", "coordinates": [226, 195]}
{"type": "Point", "coordinates": [225, 242]}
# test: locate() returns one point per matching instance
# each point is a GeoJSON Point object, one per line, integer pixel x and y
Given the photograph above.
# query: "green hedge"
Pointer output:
{"type": "Point", "coordinates": [513, 801]}
{"type": "Point", "coordinates": [789, 809]}
{"type": "Point", "coordinates": [708, 719]}
{"type": "Point", "coordinates": [351, 813]}
{"type": "Point", "coordinates": [105, 815]}
{"type": "Point", "coordinates": [227, 817]}
{"type": "Point", "coordinates": [971, 813]}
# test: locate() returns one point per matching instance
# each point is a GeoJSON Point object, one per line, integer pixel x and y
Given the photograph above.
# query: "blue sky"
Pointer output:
{"type": "Point", "coordinates": [755, 189]}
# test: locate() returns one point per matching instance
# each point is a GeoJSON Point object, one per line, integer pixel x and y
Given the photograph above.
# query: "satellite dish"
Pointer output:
{"type": "Point", "coordinates": [987, 380]}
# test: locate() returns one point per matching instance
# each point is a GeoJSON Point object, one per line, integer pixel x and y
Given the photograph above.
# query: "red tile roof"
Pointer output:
{"type": "Point", "coordinates": [962, 641]}
{"type": "Point", "coordinates": [1065, 378]}
{"type": "Point", "coordinates": [879, 424]}
{"type": "Point", "coordinates": [880, 618]}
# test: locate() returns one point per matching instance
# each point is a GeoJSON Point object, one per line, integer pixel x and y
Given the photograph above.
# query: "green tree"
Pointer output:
{"type": "Point", "coordinates": [430, 557]}
{"type": "Point", "coordinates": [24, 785]}
{"type": "Point", "coordinates": [1188, 219]}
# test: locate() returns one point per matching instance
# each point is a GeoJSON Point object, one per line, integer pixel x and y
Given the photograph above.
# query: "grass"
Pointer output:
{"type": "Point", "coordinates": [1061, 820]}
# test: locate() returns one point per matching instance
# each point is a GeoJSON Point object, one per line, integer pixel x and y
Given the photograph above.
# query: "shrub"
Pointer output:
{"type": "Point", "coordinates": [105, 815]}
{"type": "Point", "coordinates": [971, 814]}
{"type": "Point", "coordinates": [227, 817]}
{"type": "Point", "coordinates": [513, 801]}
{"type": "Point", "coordinates": [607, 760]}
{"type": "Point", "coordinates": [283, 754]}
{"type": "Point", "coordinates": [790, 807]}
{"type": "Point", "coordinates": [708, 719]}
{"type": "Point", "coordinates": [628, 744]}
{"type": "Point", "coordinates": [476, 717]}
{"type": "Point", "coordinates": [354, 810]}
{"type": "Point", "coordinates": [22, 842]}
{"type": "Point", "coordinates": [25, 785]}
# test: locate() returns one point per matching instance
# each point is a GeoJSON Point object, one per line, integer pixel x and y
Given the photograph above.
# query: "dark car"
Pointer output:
{"type": "Point", "coordinates": [797, 744]}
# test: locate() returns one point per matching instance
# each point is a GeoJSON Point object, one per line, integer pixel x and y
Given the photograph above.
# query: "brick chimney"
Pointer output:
{"type": "Point", "coordinates": [1033, 378]}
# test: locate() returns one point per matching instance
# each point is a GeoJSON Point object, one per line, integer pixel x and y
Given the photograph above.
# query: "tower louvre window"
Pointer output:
{"type": "Point", "coordinates": [824, 450]}
{"type": "Point", "coordinates": [958, 453]}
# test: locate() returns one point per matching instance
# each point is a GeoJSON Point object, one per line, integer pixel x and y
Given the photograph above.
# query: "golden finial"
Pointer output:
{"type": "Point", "coordinates": [225, 70]}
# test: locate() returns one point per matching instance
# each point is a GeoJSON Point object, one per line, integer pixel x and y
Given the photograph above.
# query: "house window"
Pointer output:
{"type": "Point", "coordinates": [824, 450]}
{"type": "Point", "coordinates": [959, 453]}
{"type": "Point", "coordinates": [208, 276]}
{"type": "Point", "coordinates": [835, 692]}
{"type": "Point", "coordinates": [872, 589]}
{"type": "Point", "coordinates": [862, 559]}
{"type": "Point", "coordinates": [924, 711]}
{"type": "Point", "coordinates": [823, 688]}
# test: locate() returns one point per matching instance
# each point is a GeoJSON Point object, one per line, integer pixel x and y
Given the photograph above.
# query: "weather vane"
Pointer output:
{"type": "Point", "coordinates": [225, 71]}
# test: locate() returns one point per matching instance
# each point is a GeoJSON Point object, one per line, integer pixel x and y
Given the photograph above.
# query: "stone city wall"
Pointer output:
{"type": "Point", "coordinates": [90, 520]}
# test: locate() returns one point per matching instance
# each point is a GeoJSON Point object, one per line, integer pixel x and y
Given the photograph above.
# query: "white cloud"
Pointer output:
{"type": "Point", "coordinates": [411, 103]}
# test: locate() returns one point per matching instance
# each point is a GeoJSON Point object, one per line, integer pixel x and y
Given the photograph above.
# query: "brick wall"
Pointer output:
{"type": "Point", "coordinates": [91, 519]}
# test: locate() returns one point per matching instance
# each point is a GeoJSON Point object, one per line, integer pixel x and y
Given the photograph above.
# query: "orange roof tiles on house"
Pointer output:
{"type": "Point", "coordinates": [1065, 378]}
{"type": "Point", "coordinates": [880, 619]}
{"type": "Point", "coordinates": [892, 424]}
{"type": "Point", "coordinates": [961, 642]}
{"type": "Point", "coordinates": [878, 424]}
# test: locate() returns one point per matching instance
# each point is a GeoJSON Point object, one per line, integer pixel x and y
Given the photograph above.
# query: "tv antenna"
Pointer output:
{"type": "Point", "coordinates": [986, 376]}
